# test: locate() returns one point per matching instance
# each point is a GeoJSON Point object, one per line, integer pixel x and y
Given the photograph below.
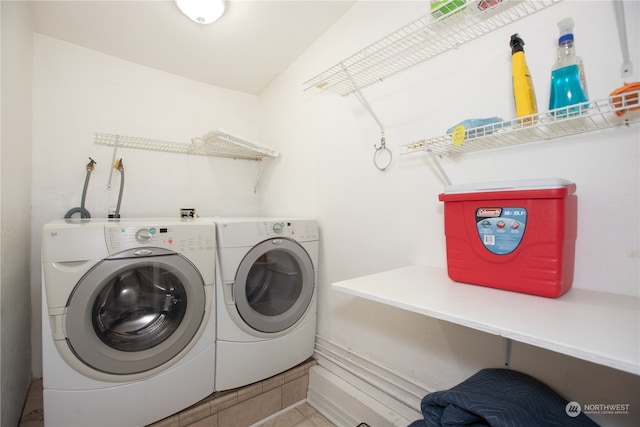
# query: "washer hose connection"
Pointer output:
{"type": "Point", "coordinates": [118, 165]}
{"type": "Point", "coordinates": [84, 213]}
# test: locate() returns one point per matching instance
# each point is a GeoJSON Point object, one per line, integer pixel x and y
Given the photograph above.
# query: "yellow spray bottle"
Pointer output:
{"type": "Point", "coordinates": [523, 93]}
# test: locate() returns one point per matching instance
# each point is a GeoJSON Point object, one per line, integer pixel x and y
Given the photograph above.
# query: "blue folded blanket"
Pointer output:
{"type": "Point", "coordinates": [498, 398]}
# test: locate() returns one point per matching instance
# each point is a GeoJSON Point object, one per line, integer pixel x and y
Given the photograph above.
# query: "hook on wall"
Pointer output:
{"type": "Point", "coordinates": [382, 157]}
{"type": "Point", "coordinates": [381, 151]}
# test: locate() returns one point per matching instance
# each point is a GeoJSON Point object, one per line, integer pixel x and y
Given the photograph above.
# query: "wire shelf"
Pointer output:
{"type": "Point", "coordinates": [419, 41]}
{"type": "Point", "coordinates": [215, 144]}
{"type": "Point", "coordinates": [578, 118]}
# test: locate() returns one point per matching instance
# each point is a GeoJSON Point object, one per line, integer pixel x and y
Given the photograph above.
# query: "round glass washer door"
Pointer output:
{"type": "Point", "coordinates": [274, 285]}
{"type": "Point", "coordinates": [131, 313]}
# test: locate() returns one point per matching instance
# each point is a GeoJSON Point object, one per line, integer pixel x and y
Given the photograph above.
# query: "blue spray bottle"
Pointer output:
{"type": "Point", "coordinates": [568, 82]}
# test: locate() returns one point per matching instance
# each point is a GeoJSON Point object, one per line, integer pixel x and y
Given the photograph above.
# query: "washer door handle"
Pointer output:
{"type": "Point", "coordinates": [143, 252]}
{"type": "Point", "coordinates": [140, 252]}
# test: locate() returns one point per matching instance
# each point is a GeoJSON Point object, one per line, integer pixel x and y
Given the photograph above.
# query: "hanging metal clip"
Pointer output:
{"type": "Point", "coordinates": [382, 152]}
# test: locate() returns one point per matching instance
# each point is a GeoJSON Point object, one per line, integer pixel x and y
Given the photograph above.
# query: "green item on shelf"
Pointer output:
{"type": "Point", "coordinates": [440, 8]}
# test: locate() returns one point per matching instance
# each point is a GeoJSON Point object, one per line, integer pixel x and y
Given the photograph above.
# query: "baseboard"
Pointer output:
{"type": "Point", "coordinates": [349, 389]}
{"type": "Point", "coordinates": [324, 393]}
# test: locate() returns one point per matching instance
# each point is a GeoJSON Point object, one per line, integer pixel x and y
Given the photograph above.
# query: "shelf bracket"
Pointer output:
{"type": "Point", "coordinates": [381, 151]}
{"type": "Point", "coordinates": [626, 70]}
{"type": "Point", "coordinates": [262, 165]}
{"type": "Point", "coordinates": [435, 161]}
{"type": "Point", "coordinates": [506, 349]}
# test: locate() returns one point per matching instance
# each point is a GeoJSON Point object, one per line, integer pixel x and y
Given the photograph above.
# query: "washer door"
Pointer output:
{"type": "Point", "coordinates": [274, 285]}
{"type": "Point", "coordinates": [135, 311]}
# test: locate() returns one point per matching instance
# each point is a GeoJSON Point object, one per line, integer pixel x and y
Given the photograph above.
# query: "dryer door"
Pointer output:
{"type": "Point", "coordinates": [274, 285]}
{"type": "Point", "coordinates": [135, 311]}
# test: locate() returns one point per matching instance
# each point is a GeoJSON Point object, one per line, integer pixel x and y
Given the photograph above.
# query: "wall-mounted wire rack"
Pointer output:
{"type": "Point", "coordinates": [578, 118]}
{"type": "Point", "coordinates": [216, 143]}
{"type": "Point", "coordinates": [418, 41]}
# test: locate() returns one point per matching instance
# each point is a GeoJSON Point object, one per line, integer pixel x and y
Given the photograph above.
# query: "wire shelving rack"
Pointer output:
{"type": "Point", "coordinates": [418, 41]}
{"type": "Point", "coordinates": [215, 143]}
{"type": "Point", "coordinates": [585, 117]}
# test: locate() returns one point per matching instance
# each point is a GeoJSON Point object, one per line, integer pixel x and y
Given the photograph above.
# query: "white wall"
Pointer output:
{"type": "Point", "coordinates": [15, 212]}
{"type": "Point", "coordinates": [372, 221]}
{"type": "Point", "coordinates": [77, 92]}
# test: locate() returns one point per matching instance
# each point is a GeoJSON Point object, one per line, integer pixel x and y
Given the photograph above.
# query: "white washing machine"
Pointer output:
{"type": "Point", "coordinates": [128, 335]}
{"type": "Point", "coordinates": [266, 297]}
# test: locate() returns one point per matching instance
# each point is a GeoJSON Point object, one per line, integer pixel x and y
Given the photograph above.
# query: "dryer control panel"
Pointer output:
{"type": "Point", "coordinates": [301, 230]}
{"type": "Point", "coordinates": [247, 232]}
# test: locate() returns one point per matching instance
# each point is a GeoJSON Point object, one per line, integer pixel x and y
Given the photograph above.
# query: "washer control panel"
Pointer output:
{"type": "Point", "coordinates": [144, 235]}
{"type": "Point", "coordinates": [181, 238]}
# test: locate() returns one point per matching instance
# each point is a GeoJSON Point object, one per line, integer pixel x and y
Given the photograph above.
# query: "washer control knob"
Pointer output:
{"type": "Point", "coordinates": [143, 235]}
{"type": "Point", "coordinates": [278, 227]}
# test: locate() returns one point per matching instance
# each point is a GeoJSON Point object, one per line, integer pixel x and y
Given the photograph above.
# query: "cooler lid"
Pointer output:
{"type": "Point", "coordinates": [516, 185]}
{"type": "Point", "coordinates": [548, 188]}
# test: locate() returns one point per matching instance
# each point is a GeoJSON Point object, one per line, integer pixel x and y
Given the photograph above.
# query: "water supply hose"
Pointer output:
{"type": "Point", "coordinates": [84, 213]}
{"type": "Point", "coordinates": [120, 167]}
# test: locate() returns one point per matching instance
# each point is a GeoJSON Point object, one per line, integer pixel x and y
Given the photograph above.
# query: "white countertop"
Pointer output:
{"type": "Point", "coordinates": [600, 327]}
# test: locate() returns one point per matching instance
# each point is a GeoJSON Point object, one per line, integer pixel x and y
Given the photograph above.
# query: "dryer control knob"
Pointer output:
{"type": "Point", "coordinates": [277, 227]}
{"type": "Point", "coordinates": [143, 235]}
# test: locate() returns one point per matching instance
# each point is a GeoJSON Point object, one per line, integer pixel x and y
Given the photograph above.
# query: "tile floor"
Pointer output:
{"type": "Point", "coordinates": [303, 415]}
{"type": "Point", "coordinates": [32, 413]}
{"type": "Point", "coordinates": [231, 405]}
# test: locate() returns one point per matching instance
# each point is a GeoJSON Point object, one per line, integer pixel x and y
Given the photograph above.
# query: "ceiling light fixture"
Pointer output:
{"type": "Point", "coordinates": [201, 11]}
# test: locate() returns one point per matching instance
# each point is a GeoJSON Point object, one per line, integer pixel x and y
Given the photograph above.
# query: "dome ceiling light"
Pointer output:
{"type": "Point", "coordinates": [201, 11]}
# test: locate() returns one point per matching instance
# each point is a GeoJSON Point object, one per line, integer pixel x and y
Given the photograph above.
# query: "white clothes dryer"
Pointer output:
{"type": "Point", "coordinates": [128, 335]}
{"type": "Point", "coordinates": [266, 297]}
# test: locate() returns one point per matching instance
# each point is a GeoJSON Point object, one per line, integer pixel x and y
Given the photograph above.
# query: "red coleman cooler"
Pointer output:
{"type": "Point", "coordinates": [516, 235]}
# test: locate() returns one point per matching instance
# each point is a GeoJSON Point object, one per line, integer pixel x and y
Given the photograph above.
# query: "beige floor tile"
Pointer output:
{"type": "Point", "coordinates": [32, 413]}
{"type": "Point", "coordinates": [295, 391]}
{"type": "Point", "coordinates": [287, 419]}
{"type": "Point", "coordinates": [211, 421]}
{"type": "Point", "coordinates": [276, 394]}
{"type": "Point", "coordinates": [318, 420]}
{"type": "Point", "coordinates": [224, 401]}
{"type": "Point", "coordinates": [194, 413]}
{"type": "Point", "coordinates": [306, 409]}
{"type": "Point", "coordinates": [172, 421]}
{"type": "Point", "coordinates": [273, 382]}
{"type": "Point", "coordinates": [251, 411]}
{"type": "Point", "coordinates": [249, 391]}
{"type": "Point", "coordinates": [294, 373]}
